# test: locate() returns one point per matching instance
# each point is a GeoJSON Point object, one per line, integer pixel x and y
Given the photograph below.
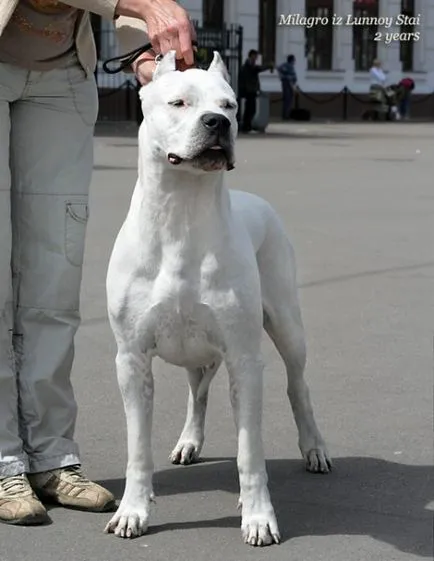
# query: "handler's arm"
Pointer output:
{"type": "Point", "coordinates": [131, 31]}
{"type": "Point", "coordinates": [169, 25]}
{"type": "Point", "coordinates": [110, 9]}
{"type": "Point", "coordinates": [104, 8]}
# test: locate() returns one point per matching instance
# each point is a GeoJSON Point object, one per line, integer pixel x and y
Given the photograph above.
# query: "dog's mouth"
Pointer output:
{"type": "Point", "coordinates": [212, 158]}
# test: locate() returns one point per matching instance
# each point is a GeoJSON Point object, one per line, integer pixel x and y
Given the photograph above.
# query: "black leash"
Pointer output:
{"type": "Point", "coordinates": [127, 59]}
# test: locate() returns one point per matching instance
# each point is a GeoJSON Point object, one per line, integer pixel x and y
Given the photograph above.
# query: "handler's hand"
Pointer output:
{"type": "Point", "coordinates": [145, 65]}
{"type": "Point", "coordinates": [169, 27]}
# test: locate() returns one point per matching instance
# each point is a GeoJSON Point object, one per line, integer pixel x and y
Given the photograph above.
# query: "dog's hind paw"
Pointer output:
{"type": "Point", "coordinates": [128, 523]}
{"type": "Point", "coordinates": [185, 453]}
{"type": "Point", "coordinates": [318, 460]}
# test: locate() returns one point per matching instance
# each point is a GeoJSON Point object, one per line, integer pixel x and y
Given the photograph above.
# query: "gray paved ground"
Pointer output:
{"type": "Point", "coordinates": [358, 201]}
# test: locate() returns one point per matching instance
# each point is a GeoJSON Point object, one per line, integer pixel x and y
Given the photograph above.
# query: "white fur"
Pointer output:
{"type": "Point", "coordinates": [195, 274]}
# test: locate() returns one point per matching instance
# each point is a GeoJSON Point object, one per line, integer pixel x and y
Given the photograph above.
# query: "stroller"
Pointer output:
{"type": "Point", "coordinates": [384, 103]}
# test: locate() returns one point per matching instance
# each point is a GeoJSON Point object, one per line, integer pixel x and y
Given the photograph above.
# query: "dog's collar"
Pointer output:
{"type": "Point", "coordinates": [127, 59]}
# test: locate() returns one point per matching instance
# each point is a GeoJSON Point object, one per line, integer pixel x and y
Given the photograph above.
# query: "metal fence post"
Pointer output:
{"type": "Point", "coordinates": [139, 114]}
{"type": "Point", "coordinates": [239, 33]}
{"type": "Point", "coordinates": [345, 104]}
{"type": "Point", "coordinates": [128, 101]}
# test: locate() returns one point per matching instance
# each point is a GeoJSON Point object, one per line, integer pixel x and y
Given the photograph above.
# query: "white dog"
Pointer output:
{"type": "Point", "coordinates": [195, 274]}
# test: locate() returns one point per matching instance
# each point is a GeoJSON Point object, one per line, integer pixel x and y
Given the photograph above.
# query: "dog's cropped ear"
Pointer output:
{"type": "Point", "coordinates": [142, 93]}
{"type": "Point", "coordinates": [217, 65]}
{"type": "Point", "coordinates": [166, 64]}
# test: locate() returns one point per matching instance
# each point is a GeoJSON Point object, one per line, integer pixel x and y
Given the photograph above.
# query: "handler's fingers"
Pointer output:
{"type": "Point", "coordinates": [186, 37]}
{"type": "Point", "coordinates": [168, 44]}
{"type": "Point", "coordinates": [181, 66]}
{"type": "Point", "coordinates": [156, 44]}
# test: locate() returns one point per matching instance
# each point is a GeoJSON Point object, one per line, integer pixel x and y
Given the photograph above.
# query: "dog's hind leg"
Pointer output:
{"type": "Point", "coordinates": [283, 323]}
{"type": "Point", "coordinates": [189, 445]}
{"type": "Point", "coordinates": [286, 332]}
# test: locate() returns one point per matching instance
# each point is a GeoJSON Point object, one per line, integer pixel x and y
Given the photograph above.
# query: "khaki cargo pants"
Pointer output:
{"type": "Point", "coordinates": [46, 160]}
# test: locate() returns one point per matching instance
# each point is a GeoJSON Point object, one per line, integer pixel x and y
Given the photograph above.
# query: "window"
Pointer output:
{"type": "Point", "coordinates": [319, 38]}
{"type": "Point", "coordinates": [406, 47]}
{"type": "Point", "coordinates": [213, 13]}
{"type": "Point", "coordinates": [267, 30]}
{"type": "Point", "coordinates": [364, 44]}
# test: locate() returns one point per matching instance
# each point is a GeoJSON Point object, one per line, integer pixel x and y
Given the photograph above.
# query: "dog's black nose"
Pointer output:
{"type": "Point", "coordinates": [216, 122]}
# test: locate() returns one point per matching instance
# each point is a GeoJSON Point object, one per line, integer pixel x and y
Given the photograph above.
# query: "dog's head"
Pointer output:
{"type": "Point", "coordinates": [190, 117]}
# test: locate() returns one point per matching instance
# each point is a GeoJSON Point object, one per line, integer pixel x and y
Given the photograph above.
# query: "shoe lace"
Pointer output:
{"type": "Point", "coordinates": [15, 485]}
{"type": "Point", "coordinates": [75, 475]}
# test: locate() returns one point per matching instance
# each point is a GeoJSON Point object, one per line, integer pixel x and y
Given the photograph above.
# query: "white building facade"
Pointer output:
{"type": "Point", "coordinates": [330, 57]}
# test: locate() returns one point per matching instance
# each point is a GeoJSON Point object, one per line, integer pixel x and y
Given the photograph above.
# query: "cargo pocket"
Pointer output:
{"type": "Point", "coordinates": [77, 215]}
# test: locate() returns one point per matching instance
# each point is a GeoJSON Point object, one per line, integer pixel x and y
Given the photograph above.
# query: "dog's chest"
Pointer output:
{"type": "Point", "coordinates": [186, 332]}
{"type": "Point", "coordinates": [187, 304]}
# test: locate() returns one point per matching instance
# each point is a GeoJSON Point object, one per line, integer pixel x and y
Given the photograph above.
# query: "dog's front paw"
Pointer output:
{"type": "Point", "coordinates": [260, 530]}
{"type": "Point", "coordinates": [129, 521]}
{"type": "Point", "coordinates": [259, 525]}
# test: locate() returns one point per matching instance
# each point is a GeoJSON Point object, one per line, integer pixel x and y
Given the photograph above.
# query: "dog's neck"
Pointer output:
{"type": "Point", "coordinates": [179, 205]}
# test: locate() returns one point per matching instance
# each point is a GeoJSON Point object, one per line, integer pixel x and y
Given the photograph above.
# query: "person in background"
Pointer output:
{"type": "Point", "coordinates": [288, 79]}
{"type": "Point", "coordinates": [377, 75]}
{"type": "Point", "coordinates": [382, 96]}
{"type": "Point", "coordinates": [249, 87]}
{"type": "Point", "coordinates": [48, 109]}
{"type": "Point", "coordinates": [405, 87]}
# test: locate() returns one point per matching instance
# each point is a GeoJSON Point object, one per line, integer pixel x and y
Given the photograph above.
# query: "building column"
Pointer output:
{"type": "Point", "coordinates": [295, 38]}
{"type": "Point", "coordinates": [282, 33]}
{"type": "Point", "coordinates": [420, 47]}
{"type": "Point", "coordinates": [231, 11]}
{"type": "Point", "coordinates": [389, 54]}
{"type": "Point", "coordinates": [248, 17]}
{"type": "Point", "coordinates": [343, 37]}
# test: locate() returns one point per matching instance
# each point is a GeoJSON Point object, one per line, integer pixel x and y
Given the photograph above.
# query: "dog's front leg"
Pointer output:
{"type": "Point", "coordinates": [136, 383]}
{"type": "Point", "coordinates": [258, 524]}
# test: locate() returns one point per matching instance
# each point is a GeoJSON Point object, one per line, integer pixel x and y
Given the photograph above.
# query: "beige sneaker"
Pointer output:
{"type": "Point", "coordinates": [19, 504]}
{"type": "Point", "coordinates": [68, 487]}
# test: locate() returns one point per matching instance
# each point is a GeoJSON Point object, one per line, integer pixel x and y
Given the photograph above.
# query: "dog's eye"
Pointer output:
{"type": "Point", "coordinates": [228, 105]}
{"type": "Point", "coordinates": [177, 103]}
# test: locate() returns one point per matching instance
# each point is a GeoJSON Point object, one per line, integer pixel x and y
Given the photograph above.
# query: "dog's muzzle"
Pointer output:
{"type": "Point", "coordinates": [217, 152]}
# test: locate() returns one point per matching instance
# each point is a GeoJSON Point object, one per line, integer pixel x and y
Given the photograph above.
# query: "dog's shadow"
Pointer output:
{"type": "Point", "coordinates": [362, 496]}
